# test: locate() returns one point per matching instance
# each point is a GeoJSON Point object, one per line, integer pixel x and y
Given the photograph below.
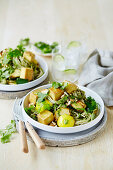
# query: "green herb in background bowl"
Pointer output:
{"type": "Point", "coordinates": [46, 48]}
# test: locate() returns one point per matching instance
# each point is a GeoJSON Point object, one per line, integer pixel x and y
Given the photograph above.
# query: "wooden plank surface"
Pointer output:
{"type": "Point", "coordinates": [60, 20]}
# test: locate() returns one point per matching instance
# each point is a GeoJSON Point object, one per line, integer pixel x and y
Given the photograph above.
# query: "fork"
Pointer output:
{"type": "Point", "coordinates": [21, 130]}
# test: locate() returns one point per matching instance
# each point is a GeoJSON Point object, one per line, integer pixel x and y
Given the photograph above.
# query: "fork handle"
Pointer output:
{"type": "Point", "coordinates": [23, 137]}
{"type": "Point", "coordinates": [35, 136]}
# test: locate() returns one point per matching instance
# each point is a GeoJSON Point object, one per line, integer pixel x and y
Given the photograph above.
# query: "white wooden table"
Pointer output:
{"type": "Point", "coordinates": [57, 20]}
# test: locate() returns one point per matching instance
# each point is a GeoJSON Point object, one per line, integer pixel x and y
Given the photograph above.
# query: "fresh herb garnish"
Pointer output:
{"type": "Point", "coordinates": [16, 52]}
{"type": "Point", "coordinates": [44, 47]}
{"type": "Point", "coordinates": [10, 54]}
{"type": "Point", "coordinates": [56, 85]}
{"type": "Point", "coordinates": [14, 59]}
{"type": "Point", "coordinates": [25, 42]}
{"type": "Point", "coordinates": [7, 132]}
{"type": "Point", "coordinates": [66, 121]}
{"type": "Point", "coordinates": [5, 72]}
{"type": "Point", "coordinates": [91, 104]}
{"type": "Point", "coordinates": [44, 105]}
{"type": "Point", "coordinates": [62, 100]}
{"type": "Point", "coordinates": [31, 111]}
{"type": "Point", "coordinates": [6, 59]}
{"type": "Point", "coordinates": [41, 96]}
{"type": "Point", "coordinates": [64, 85]}
{"type": "Point", "coordinates": [59, 85]}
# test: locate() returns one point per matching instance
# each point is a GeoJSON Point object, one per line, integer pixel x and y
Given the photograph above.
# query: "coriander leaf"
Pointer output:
{"type": "Point", "coordinates": [25, 42]}
{"type": "Point", "coordinates": [7, 132]}
{"type": "Point", "coordinates": [34, 116]}
{"type": "Point", "coordinates": [64, 85]}
{"type": "Point", "coordinates": [6, 59]}
{"type": "Point", "coordinates": [59, 85]}
{"type": "Point", "coordinates": [5, 74]}
{"type": "Point", "coordinates": [56, 85]}
{"type": "Point", "coordinates": [66, 121]}
{"type": "Point", "coordinates": [4, 69]}
{"type": "Point", "coordinates": [5, 138]}
{"type": "Point", "coordinates": [30, 110]}
{"type": "Point", "coordinates": [11, 127]}
{"type": "Point", "coordinates": [62, 100]}
{"type": "Point", "coordinates": [16, 52]}
{"type": "Point", "coordinates": [44, 47]}
{"type": "Point", "coordinates": [21, 49]}
{"type": "Point", "coordinates": [91, 104]}
{"type": "Point", "coordinates": [41, 96]}
{"type": "Point", "coordinates": [41, 106]}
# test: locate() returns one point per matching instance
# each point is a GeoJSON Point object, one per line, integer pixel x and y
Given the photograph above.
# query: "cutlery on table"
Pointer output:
{"type": "Point", "coordinates": [23, 137]}
{"type": "Point", "coordinates": [18, 117]}
{"type": "Point", "coordinates": [39, 143]}
{"type": "Point", "coordinates": [37, 140]}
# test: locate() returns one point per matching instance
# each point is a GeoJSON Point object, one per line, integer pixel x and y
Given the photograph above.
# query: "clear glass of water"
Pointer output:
{"type": "Point", "coordinates": [68, 61]}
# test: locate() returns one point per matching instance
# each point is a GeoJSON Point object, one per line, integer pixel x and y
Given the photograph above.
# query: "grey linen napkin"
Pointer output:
{"type": "Point", "coordinates": [97, 75]}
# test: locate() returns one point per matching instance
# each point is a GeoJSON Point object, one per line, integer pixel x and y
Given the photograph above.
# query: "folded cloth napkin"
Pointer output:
{"type": "Point", "coordinates": [97, 75]}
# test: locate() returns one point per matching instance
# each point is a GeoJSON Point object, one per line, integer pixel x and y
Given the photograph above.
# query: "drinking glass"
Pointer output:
{"type": "Point", "coordinates": [68, 61]}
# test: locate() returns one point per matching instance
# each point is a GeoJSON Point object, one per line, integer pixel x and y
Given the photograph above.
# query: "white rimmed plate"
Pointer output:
{"type": "Point", "coordinates": [19, 87]}
{"type": "Point", "coordinates": [65, 129]}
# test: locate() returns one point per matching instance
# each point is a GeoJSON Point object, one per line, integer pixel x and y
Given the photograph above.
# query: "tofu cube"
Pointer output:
{"type": "Point", "coordinates": [28, 55]}
{"type": "Point", "coordinates": [78, 105]}
{"type": "Point", "coordinates": [26, 73]}
{"type": "Point", "coordinates": [70, 87]}
{"type": "Point", "coordinates": [60, 112]}
{"type": "Point", "coordinates": [55, 94]}
{"type": "Point", "coordinates": [15, 74]}
{"type": "Point", "coordinates": [46, 117]}
{"type": "Point", "coordinates": [33, 97]}
{"type": "Point", "coordinates": [65, 111]}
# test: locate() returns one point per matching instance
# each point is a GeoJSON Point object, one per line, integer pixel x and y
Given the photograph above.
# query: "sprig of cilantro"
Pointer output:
{"type": "Point", "coordinates": [56, 85]}
{"type": "Point", "coordinates": [62, 100]}
{"type": "Point", "coordinates": [25, 42]}
{"type": "Point", "coordinates": [91, 104]}
{"type": "Point", "coordinates": [59, 85]}
{"type": "Point", "coordinates": [10, 54]}
{"type": "Point", "coordinates": [7, 132]}
{"type": "Point", "coordinates": [41, 96]}
{"type": "Point", "coordinates": [46, 48]}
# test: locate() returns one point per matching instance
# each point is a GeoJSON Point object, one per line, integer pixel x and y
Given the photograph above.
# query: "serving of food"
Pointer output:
{"type": "Point", "coordinates": [63, 105]}
{"type": "Point", "coordinates": [20, 66]}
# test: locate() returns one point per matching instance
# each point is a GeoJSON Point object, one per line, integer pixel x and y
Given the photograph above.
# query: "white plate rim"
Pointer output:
{"type": "Point", "coordinates": [65, 130]}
